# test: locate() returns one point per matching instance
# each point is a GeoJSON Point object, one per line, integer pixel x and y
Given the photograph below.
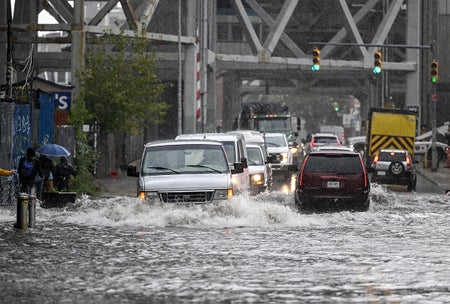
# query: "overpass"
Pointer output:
{"type": "Point", "coordinates": [245, 47]}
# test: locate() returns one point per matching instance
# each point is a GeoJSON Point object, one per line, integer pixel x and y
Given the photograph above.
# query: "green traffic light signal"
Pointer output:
{"type": "Point", "coordinates": [316, 60]}
{"type": "Point", "coordinates": [434, 71]}
{"type": "Point", "coordinates": [378, 58]}
{"type": "Point", "coordinates": [336, 106]}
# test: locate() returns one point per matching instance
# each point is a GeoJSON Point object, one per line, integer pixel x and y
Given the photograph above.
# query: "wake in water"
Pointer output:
{"type": "Point", "coordinates": [274, 209]}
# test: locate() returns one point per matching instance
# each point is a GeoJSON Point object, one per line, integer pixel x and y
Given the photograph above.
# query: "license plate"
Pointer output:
{"type": "Point", "coordinates": [332, 184]}
{"type": "Point", "coordinates": [382, 173]}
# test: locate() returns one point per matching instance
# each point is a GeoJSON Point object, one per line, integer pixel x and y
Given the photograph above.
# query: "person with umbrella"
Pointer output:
{"type": "Point", "coordinates": [48, 172]}
{"type": "Point", "coordinates": [63, 173]}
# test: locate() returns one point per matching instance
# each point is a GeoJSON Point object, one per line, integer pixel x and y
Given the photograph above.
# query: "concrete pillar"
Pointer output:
{"type": "Point", "coordinates": [231, 99]}
{"type": "Point", "coordinates": [78, 45]}
{"type": "Point", "coordinates": [190, 68]}
{"type": "Point", "coordinates": [414, 10]}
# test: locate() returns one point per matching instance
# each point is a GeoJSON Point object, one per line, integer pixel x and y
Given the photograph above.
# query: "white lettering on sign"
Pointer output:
{"type": "Point", "coordinates": [63, 101]}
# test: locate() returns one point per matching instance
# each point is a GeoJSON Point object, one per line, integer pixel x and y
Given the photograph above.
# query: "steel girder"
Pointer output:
{"type": "Point", "coordinates": [279, 35]}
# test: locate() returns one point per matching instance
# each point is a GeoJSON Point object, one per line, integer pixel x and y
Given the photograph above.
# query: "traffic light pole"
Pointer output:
{"type": "Point", "coordinates": [434, 98]}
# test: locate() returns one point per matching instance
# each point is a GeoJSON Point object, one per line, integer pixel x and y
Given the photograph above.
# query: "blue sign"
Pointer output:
{"type": "Point", "coordinates": [63, 100]}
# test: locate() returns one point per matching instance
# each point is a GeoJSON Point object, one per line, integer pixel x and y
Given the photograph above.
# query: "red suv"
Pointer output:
{"type": "Point", "coordinates": [333, 178]}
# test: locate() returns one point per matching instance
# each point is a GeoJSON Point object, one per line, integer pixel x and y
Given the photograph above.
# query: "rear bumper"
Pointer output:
{"type": "Point", "coordinates": [392, 180]}
{"type": "Point", "coordinates": [331, 199]}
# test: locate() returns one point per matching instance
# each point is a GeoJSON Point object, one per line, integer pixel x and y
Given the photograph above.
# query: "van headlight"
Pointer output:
{"type": "Point", "coordinates": [284, 158]}
{"type": "Point", "coordinates": [151, 196]}
{"type": "Point", "coordinates": [257, 179]}
{"type": "Point", "coordinates": [223, 194]}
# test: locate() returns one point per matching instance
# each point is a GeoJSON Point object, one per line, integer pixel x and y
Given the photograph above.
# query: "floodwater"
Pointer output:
{"type": "Point", "coordinates": [247, 250]}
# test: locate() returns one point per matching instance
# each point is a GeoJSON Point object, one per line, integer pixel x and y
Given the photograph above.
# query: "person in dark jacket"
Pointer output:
{"type": "Point", "coordinates": [63, 173]}
{"type": "Point", "coordinates": [48, 172]}
{"type": "Point", "coordinates": [30, 173]}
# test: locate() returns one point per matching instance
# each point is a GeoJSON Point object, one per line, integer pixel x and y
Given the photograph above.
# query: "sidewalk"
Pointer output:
{"type": "Point", "coordinates": [441, 177]}
{"type": "Point", "coordinates": [121, 185]}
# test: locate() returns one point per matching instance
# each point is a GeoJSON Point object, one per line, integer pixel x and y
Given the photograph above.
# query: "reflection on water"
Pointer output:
{"type": "Point", "coordinates": [118, 250]}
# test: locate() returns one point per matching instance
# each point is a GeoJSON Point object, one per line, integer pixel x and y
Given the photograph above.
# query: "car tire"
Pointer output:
{"type": "Point", "coordinates": [396, 168]}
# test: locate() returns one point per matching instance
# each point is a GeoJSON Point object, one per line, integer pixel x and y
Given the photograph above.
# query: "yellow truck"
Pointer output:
{"type": "Point", "coordinates": [390, 129]}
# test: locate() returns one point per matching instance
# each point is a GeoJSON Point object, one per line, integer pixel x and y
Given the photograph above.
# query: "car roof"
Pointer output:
{"type": "Point", "coordinates": [182, 142]}
{"type": "Point", "coordinates": [333, 152]}
{"type": "Point", "coordinates": [340, 148]}
{"type": "Point", "coordinates": [275, 135]}
{"type": "Point", "coordinates": [253, 145]}
{"type": "Point", "coordinates": [215, 136]}
{"type": "Point", "coordinates": [323, 134]}
{"type": "Point", "coordinates": [249, 135]}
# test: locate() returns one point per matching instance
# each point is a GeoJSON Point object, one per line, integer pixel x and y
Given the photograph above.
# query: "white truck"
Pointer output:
{"type": "Point", "coordinates": [423, 143]}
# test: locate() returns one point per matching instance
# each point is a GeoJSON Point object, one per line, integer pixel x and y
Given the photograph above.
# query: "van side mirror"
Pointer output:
{"type": "Point", "coordinates": [271, 159]}
{"type": "Point", "coordinates": [238, 168]}
{"type": "Point", "coordinates": [244, 162]}
{"type": "Point", "coordinates": [132, 171]}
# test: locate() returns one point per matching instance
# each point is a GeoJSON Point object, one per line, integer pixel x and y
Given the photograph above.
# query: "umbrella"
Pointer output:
{"type": "Point", "coordinates": [53, 150]}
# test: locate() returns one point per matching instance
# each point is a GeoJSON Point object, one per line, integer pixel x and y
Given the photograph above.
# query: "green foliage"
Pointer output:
{"type": "Point", "coordinates": [86, 156]}
{"type": "Point", "coordinates": [120, 88]}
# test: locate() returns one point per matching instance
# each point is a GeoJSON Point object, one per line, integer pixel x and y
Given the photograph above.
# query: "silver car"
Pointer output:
{"type": "Point", "coordinates": [184, 172]}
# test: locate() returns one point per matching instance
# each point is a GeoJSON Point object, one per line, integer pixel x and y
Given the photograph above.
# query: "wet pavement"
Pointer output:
{"type": "Point", "coordinates": [440, 177]}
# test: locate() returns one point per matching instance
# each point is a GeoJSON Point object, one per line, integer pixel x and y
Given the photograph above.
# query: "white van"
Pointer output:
{"type": "Point", "coordinates": [336, 130]}
{"type": "Point", "coordinates": [234, 145]}
{"type": "Point", "coordinates": [178, 171]}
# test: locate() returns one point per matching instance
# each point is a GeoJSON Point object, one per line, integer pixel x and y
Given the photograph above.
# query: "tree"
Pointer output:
{"type": "Point", "coordinates": [120, 88]}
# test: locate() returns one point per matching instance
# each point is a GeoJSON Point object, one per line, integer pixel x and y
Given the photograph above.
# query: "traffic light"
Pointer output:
{"type": "Point", "coordinates": [336, 106]}
{"type": "Point", "coordinates": [316, 59]}
{"type": "Point", "coordinates": [378, 59]}
{"type": "Point", "coordinates": [434, 71]}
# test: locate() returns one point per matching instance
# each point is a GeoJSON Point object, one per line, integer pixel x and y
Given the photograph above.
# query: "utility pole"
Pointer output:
{"type": "Point", "coordinates": [8, 52]}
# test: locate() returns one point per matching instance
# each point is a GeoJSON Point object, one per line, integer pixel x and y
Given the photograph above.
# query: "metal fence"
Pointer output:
{"type": "Point", "coordinates": [9, 189]}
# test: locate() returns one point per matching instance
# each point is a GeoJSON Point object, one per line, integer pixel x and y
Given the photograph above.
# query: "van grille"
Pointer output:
{"type": "Point", "coordinates": [187, 197]}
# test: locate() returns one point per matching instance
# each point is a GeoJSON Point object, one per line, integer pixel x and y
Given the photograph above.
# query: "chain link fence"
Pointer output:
{"type": "Point", "coordinates": [9, 189]}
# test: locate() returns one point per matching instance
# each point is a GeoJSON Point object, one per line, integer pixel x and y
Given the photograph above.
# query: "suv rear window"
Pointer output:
{"type": "Point", "coordinates": [325, 140]}
{"type": "Point", "coordinates": [336, 163]}
{"type": "Point", "coordinates": [392, 156]}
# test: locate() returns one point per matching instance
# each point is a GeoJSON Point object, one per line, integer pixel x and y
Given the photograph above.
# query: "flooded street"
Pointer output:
{"type": "Point", "coordinates": [248, 250]}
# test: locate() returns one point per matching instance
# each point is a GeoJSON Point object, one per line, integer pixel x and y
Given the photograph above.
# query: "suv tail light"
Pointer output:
{"type": "Point", "coordinates": [366, 178]}
{"type": "Point", "coordinates": [375, 160]}
{"type": "Point", "coordinates": [300, 175]}
{"type": "Point", "coordinates": [311, 144]}
{"type": "Point", "coordinates": [408, 162]}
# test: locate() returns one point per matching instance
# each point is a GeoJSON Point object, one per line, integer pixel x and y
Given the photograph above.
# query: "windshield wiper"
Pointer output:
{"type": "Point", "coordinates": [203, 166]}
{"type": "Point", "coordinates": [163, 168]}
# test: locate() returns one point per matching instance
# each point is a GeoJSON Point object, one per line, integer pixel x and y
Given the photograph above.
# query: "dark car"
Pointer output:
{"type": "Point", "coordinates": [333, 179]}
{"type": "Point", "coordinates": [394, 167]}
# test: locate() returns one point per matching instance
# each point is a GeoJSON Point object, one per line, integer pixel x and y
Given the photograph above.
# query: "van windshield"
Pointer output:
{"type": "Point", "coordinates": [339, 164]}
{"type": "Point", "coordinates": [254, 156]}
{"type": "Point", "coordinates": [276, 141]}
{"type": "Point", "coordinates": [181, 159]}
